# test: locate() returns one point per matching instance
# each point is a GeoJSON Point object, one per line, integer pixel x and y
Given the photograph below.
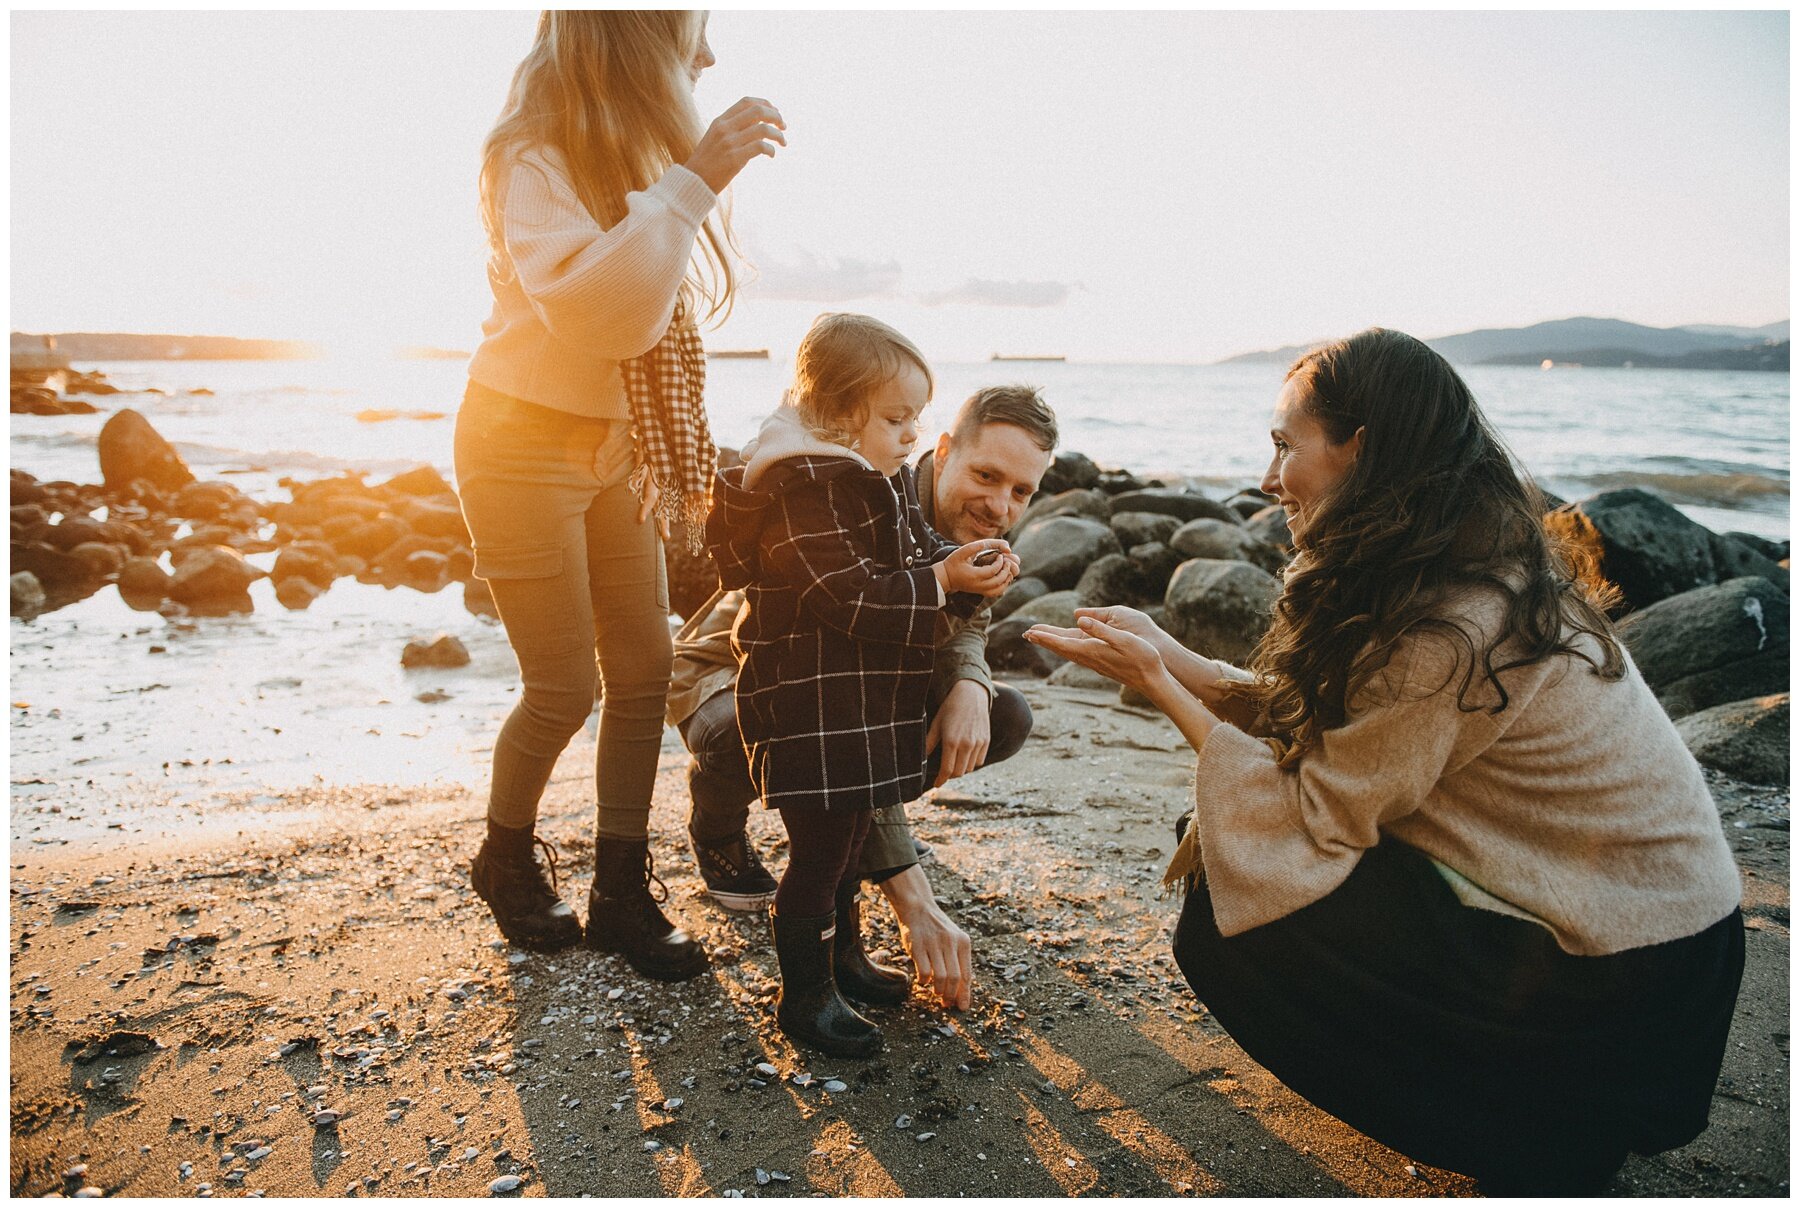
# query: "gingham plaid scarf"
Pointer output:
{"type": "Point", "coordinates": [666, 388]}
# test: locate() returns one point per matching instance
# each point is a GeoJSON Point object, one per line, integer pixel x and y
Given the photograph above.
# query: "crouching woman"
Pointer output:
{"type": "Point", "coordinates": [1452, 875]}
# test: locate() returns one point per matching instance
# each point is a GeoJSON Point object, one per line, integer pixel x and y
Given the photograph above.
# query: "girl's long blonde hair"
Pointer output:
{"type": "Point", "coordinates": [608, 89]}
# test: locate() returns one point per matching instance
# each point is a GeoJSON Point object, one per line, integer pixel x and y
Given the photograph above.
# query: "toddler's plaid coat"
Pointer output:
{"type": "Point", "coordinates": [839, 637]}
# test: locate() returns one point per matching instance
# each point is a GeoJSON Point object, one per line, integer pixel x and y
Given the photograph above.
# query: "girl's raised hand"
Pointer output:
{"type": "Point", "coordinates": [984, 567]}
{"type": "Point", "coordinates": [748, 129]}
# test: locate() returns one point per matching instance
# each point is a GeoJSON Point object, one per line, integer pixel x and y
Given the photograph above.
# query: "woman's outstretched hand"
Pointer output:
{"type": "Point", "coordinates": [1111, 649]}
{"type": "Point", "coordinates": [962, 571]}
{"type": "Point", "coordinates": [748, 129]}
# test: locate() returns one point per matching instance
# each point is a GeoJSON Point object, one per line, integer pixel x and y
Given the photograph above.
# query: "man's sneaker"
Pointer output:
{"type": "Point", "coordinates": [733, 872]}
{"type": "Point", "coordinates": [921, 849]}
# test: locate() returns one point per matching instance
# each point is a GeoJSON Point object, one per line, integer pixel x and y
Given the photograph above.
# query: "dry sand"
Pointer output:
{"type": "Point", "coordinates": [186, 1003]}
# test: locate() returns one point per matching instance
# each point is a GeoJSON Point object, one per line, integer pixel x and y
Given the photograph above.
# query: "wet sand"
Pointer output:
{"type": "Point", "coordinates": [190, 996]}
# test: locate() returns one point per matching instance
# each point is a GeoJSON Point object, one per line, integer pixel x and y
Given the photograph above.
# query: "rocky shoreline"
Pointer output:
{"type": "Point", "coordinates": [1704, 613]}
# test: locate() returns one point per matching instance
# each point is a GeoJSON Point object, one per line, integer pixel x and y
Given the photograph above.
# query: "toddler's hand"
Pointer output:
{"type": "Point", "coordinates": [983, 567]}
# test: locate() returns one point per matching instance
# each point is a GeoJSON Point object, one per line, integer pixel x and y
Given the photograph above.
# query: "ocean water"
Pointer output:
{"type": "Point", "coordinates": [1715, 444]}
{"type": "Point", "coordinates": [126, 724]}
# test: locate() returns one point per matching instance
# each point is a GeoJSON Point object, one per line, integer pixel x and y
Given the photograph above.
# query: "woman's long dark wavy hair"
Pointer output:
{"type": "Point", "coordinates": [1431, 503]}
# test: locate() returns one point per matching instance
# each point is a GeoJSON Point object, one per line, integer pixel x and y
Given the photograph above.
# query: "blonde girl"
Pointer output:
{"type": "Point", "coordinates": [844, 583]}
{"type": "Point", "coordinates": [584, 417]}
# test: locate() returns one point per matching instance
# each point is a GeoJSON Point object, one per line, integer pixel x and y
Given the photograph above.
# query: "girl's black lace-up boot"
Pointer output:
{"type": "Point", "coordinates": [623, 914]}
{"type": "Point", "coordinates": [522, 892]}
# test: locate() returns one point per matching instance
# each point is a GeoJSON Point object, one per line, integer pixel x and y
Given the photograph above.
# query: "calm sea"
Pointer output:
{"type": "Point", "coordinates": [1715, 444]}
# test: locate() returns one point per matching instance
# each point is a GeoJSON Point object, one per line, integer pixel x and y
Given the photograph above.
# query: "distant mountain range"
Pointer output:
{"type": "Point", "coordinates": [124, 346]}
{"type": "Point", "coordinates": [1589, 341]}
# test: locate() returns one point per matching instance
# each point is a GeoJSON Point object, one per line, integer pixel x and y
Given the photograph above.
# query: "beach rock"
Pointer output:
{"type": "Point", "coordinates": [1117, 482]}
{"type": "Point", "coordinates": [63, 576]}
{"type": "Point", "coordinates": [433, 517]}
{"type": "Point", "coordinates": [103, 559]}
{"type": "Point", "coordinates": [1059, 548]}
{"type": "Point", "coordinates": [214, 574]}
{"type": "Point", "coordinates": [143, 581]}
{"type": "Point", "coordinates": [72, 531]}
{"type": "Point", "coordinates": [1113, 579]}
{"type": "Point", "coordinates": [26, 489]}
{"type": "Point", "coordinates": [210, 501]}
{"type": "Point", "coordinates": [423, 480]}
{"type": "Point", "coordinates": [1183, 505]}
{"type": "Point", "coordinates": [1225, 541]}
{"type": "Point", "coordinates": [1219, 608]}
{"type": "Point", "coordinates": [1141, 528]}
{"type": "Point", "coordinates": [1248, 503]}
{"type": "Point", "coordinates": [1009, 651]}
{"type": "Point", "coordinates": [426, 570]}
{"type": "Point", "coordinates": [693, 578]}
{"type": "Point", "coordinates": [1078, 502]}
{"type": "Point", "coordinates": [442, 651]}
{"type": "Point", "coordinates": [28, 598]}
{"type": "Point", "coordinates": [1746, 739]}
{"type": "Point", "coordinates": [1070, 471]}
{"type": "Point", "coordinates": [1270, 526]}
{"type": "Point", "coordinates": [1020, 593]}
{"type": "Point", "coordinates": [42, 400]}
{"type": "Point", "coordinates": [1055, 608]}
{"type": "Point", "coordinates": [1774, 551]}
{"type": "Point", "coordinates": [296, 594]}
{"type": "Point", "coordinates": [1733, 559]}
{"type": "Point", "coordinates": [1712, 645]}
{"type": "Point", "coordinates": [366, 538]}
{"type": "Point", "coordinates": [1650, 550]}
{"type": "Point", "coordinates": [1155, 564]}
{"type": "Point", "coordinates": [478, 598]}
{"type": "Point", "coordinates": [130, 448]}
{"type": "Point", "coordinates": [1074, 675]}
{"type": "Point", "coordinates": [314, 561]}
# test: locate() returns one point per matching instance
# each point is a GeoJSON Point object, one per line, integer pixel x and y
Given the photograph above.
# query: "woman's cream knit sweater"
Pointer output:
{"type": "Point", "coordinates": [1578, 805]}
{"type": "Point", "coordinates": [572, 300]}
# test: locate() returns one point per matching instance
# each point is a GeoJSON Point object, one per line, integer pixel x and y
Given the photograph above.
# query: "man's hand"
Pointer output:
{"type": "Point", "coordinates": [962, 727]}
{"type": "Point", "coordinates": [940, 950]}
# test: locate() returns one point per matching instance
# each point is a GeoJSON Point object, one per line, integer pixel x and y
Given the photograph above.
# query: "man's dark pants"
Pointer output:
{"type": "Point", "coordinates": [719, 776]}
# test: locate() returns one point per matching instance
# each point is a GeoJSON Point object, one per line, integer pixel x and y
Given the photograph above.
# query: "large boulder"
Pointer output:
{"type": "Point", "coordinates": [1140, 528]}
{"type": "Point", "coordinates": [1183, 505]}
{"type": "Point", "coordinates": [1117, 482]}
{"type": "Point", "coordinates": [1747, 739]}
{"type": "Point", "coordinates": [1112, 580]}
{"type": "Point", "coordinates": [143, 582]}
{"type": "Point", "coordinates": [1219, 608]}
{"type": "Point", "coordinates": [1007, 649]}
{"type": "Point", "coordinates": [1059, 548]}
{"type": "Point", "coordinates": [1056, 608]}
{"type": "Point", "coordinates": [1022, 592]}
{"type": "Point", "coordinates": [63, 576]}
{"type": "Point", "coordinates": [213, 574]}
{"type": "Point", "coordinates": [1774, 551]}
{"type": "Point", "coordinates": [27, 489]}
{"type": "Point", "coordinates": [433, 517]}
{"type": "Point", "coordinates": [130, 448]}
{"type": "Point", "coordinates": [1650, 550]}
{"type": "Point", "coordinates": [212, 501]}
{"type": "Point", "coordinates": [1155, 564]}
{"type": "Point", "coordinates": [1069, 471]}
{"type": "Point", "coordinates": [1074, 502]}
{"type": "Point", "coordinates": [1206, 538]}
{"type": "Point", "coordinates": [1712, 645]}
{"type": "Point", "coordinates": [1270, 526]}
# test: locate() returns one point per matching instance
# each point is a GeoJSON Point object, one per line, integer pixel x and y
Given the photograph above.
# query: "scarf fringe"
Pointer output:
{"type": "Point", "coordinates": [683, 511]}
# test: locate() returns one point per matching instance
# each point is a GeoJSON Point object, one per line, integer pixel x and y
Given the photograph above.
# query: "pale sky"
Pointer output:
{"type": "Point", "coordinates": [1151, 186]}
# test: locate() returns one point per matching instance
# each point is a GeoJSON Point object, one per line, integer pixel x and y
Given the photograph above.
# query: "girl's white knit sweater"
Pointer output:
{"type": "Point", "coordinates": [571, 299]}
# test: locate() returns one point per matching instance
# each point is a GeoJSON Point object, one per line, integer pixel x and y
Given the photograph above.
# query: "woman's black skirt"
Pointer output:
{"type": "Point", "coordinates": [1468, 1039]}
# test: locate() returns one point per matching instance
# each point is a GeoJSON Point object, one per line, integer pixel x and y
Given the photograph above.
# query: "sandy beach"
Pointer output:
{"type": "Point", "coordinates": [303, 997]}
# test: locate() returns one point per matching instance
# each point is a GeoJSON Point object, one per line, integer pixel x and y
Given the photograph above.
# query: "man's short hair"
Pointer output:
{"type": "Point", "coordinates": [1021, 406]}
